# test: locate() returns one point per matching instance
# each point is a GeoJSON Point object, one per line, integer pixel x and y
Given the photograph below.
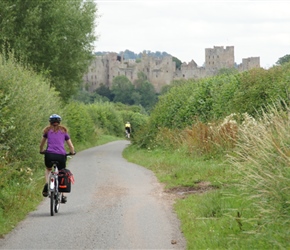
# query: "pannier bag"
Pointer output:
{"type": "Point", "coordinates": [65, 179]}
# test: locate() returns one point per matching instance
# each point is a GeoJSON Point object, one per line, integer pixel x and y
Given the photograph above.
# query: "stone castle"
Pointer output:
{"type": "Point", "coordinates": [162, 71]}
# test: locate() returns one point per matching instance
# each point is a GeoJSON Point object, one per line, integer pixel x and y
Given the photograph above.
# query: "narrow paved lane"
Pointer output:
{"type": "Point", "coordinates": [114, 204]}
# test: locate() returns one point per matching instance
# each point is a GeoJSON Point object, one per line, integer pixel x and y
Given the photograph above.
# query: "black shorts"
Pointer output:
{"type": "Point", "coordinates": [128, 129]}
{"type": "Point", "coordinates": [49, 157]}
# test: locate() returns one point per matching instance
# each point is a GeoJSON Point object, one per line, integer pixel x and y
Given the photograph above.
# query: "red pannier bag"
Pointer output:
{"type": "Point", "coordinates": [65, 179]}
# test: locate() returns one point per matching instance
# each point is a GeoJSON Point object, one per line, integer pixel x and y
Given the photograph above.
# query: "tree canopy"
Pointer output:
{"type": "Point", "coordinates": [283, 60]}
{"type": "Point", "coordinates": [55, 37]}
{"type": "Point", "coordinates": [122, 89]}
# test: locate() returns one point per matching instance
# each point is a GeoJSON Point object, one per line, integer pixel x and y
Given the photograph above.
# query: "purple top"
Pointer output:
{"type": "Point", "coordinates": [55, 142]}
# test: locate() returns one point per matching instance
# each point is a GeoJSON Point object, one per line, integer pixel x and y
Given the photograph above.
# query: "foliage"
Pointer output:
{"type": "Point", "coordinates": [182, 105]}
{"type": "Point", "coordinates": [105, 92]}
{"type": "Point", "coordinates": [227, 71]}
{"type": "Point", "coordinates": [53, 36]}
{"type": "Point", "coordinates": [190, 102]}
{"type": "Point", "coordinates": [283, 59]}
{"type": "Point", "coordinates": [122, 89]}
{"type": "Point", "coordinates": [26, 103]}
{"type": "Point", "coordinates": [88, 97]}
{"type": "Point", "coordinates": [146, 91]}
{"type": "Point", "coordinates": [23, 110]}
{"type": "Point", "coordinates": [79, 122]}
{"type": "Point", "coordinates": [177, 62]}
{"type": "Point", "coordinates": [106, 117]}
{"type": "Point", "coordinates": [134, 108]}
{"type": "Point", "coordinates": [141, 92]}
{"type": "Point", "coordinates": [256, 89]}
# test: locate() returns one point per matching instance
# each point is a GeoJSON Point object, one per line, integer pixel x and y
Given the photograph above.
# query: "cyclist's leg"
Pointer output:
{"type": "Point", "coordinates": [47, 172]}
{"type": "Point", "coordinates": [48, 168]}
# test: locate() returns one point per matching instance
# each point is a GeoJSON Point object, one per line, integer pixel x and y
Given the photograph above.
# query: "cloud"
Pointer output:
{"type": "Point", "coordinates": [185, 28]}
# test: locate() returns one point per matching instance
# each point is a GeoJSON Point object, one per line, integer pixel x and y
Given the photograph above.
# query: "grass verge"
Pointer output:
{"type": "Point", "coordinates": [218, 216]}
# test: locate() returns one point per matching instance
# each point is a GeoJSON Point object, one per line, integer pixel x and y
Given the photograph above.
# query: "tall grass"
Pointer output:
{"type": "Point", "coordinates": [201, 139]}
{"type": "Point", "coordinates": [261, 159]}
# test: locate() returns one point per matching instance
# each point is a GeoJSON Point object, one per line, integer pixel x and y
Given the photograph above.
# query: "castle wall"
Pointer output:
{"type": "Point", "coordinates": [162, 71]}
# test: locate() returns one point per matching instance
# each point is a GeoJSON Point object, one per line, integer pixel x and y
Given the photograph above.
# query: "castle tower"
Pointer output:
{"type": "Point", "coordinates": [249, 63]}
{"type": "Point", "coordinates": [218, 57]}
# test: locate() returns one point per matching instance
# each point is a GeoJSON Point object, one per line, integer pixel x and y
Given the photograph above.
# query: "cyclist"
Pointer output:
{"type": "Point", "coordinates": [128, 129]}
{"type": "Point", "coordinates": [55, 135]}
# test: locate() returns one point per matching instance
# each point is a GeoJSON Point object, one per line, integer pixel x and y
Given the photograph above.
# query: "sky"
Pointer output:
{"type": "Point", "coordinates": [185, 28]}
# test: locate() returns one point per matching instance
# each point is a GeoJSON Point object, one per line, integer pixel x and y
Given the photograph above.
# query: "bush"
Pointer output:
{"type": "Point", "coordinates": [80, 124]}
{"type": "Point", "coordinates": [106, 117]}
{"type": "Point", "coordinates": [27, 102]}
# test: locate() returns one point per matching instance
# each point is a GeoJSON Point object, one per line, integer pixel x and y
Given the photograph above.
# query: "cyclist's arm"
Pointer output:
{"type": "Point", "coordinates": [42, 143]}
{"type": "Point", "coordinates": [71, 146]}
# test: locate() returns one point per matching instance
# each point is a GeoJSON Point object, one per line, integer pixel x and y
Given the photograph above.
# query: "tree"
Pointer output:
{"type": "Point", "coordinates": [227, 71]}
{"type": "Point", "coordinates": [146, 91]}
{"type": "Point", "coordinates": [283, 60]}
{"type": "Point", "coordinates": [53, 36]}
{"type": "Point", "coordinates": [177, 62]}
{"type": "Point", "coordinates": [103, 90]}
{"type": "Point", "coordinates": [123, 89]}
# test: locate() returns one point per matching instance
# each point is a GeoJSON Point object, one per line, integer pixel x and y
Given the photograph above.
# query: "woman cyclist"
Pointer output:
{"type": "Point", "coordinates": [55, 135]}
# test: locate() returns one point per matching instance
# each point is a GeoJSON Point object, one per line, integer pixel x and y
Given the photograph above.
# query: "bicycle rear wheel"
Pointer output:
{"type": "Point", "coordinates": [52, 194]}
{"type": "Point", "coordinates": [57, 202]}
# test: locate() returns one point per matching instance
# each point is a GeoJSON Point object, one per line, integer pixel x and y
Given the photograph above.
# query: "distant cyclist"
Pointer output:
{"type": "Point", "coordinates": [55, 135]}
{"type": "Point", "coordinates": [128, 129]}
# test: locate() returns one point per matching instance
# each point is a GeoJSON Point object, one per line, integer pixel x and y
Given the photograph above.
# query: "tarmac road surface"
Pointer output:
{"type": "Point", "coordinates": [114, 204]}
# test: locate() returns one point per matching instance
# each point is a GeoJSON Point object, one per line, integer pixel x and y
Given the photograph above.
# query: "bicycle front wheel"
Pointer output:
{"type": "Point", "coordinates": [52, 203]}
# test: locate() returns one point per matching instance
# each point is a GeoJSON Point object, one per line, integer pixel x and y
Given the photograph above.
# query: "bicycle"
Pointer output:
{"type": "Point", "coordinates": [53, 193]}
{"type": "Point", "coordinates": [127, 134]}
